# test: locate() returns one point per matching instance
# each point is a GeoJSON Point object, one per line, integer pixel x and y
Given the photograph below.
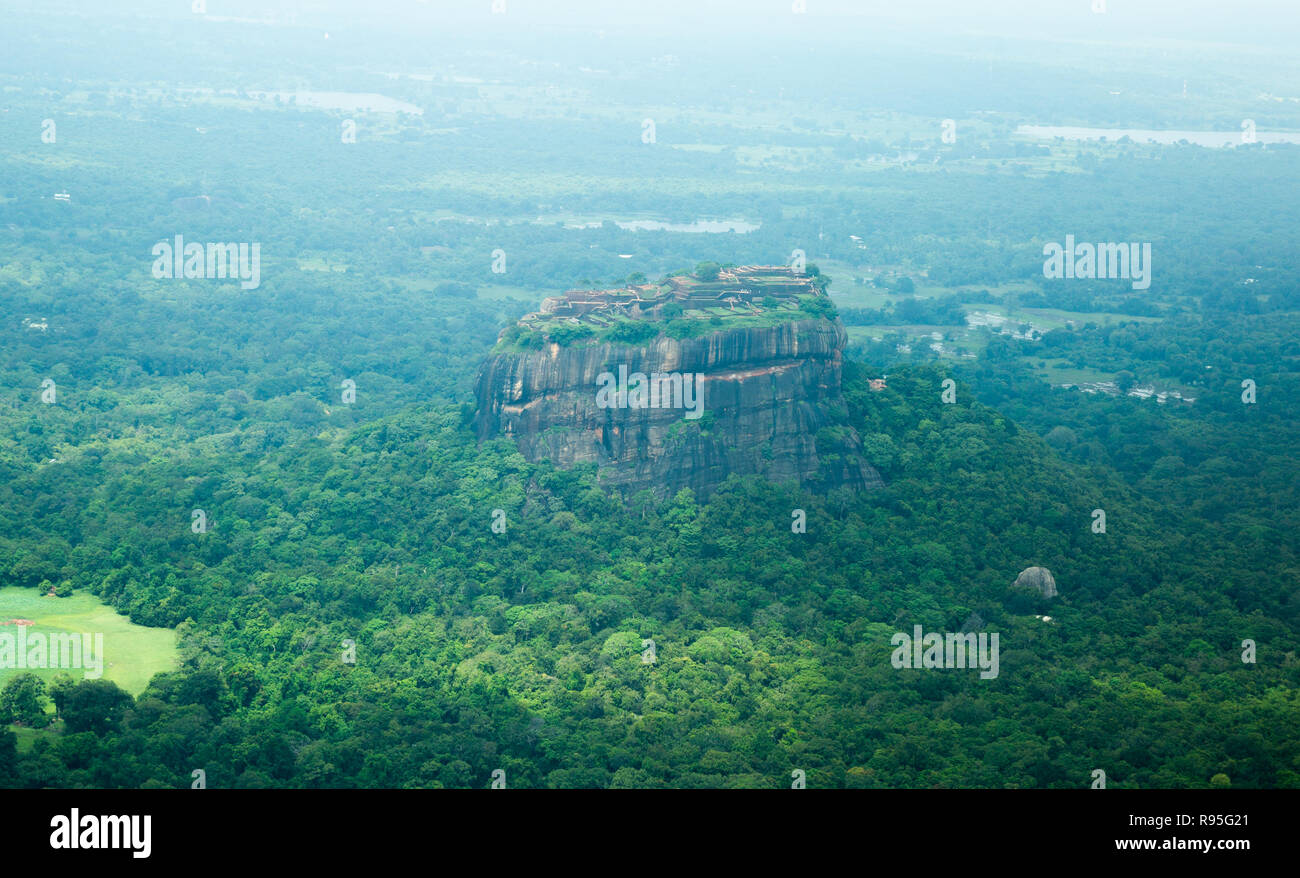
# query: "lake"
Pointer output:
{"type": "Point", "coordinates": [699, 226]}
{"type": "Point", "coordinates": [341, 100]}
{"type": "Point", "coordinates": [1143, 135]}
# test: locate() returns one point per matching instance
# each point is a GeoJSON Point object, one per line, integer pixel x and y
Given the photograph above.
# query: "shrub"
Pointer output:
{"type": "Point", "coordinates": [632, 332]}
{"type": "Point", "coordinates": [569, 333]}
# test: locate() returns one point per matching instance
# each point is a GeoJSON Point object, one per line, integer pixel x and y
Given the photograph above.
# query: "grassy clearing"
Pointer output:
{"type": "Point", "coordinates": [133, 654]}
{"type": "Point", "coordinates": [1059, 371]}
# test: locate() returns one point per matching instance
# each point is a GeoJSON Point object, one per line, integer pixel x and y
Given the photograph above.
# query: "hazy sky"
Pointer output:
{"type": "Point", "coordinates": [1264, 22]}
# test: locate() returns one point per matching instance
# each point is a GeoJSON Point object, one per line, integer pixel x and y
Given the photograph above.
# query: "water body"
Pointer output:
{"type": "Point", "coordinates": [342, 100]}
{"type": "Point", "coordinates": [700, 226]}
{"type": "Point", "coordinates": [1143, 135]}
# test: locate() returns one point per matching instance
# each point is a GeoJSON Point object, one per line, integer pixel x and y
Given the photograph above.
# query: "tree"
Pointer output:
{"type": "Point", "coordinates": [708, 271]}
{"type": "Point", "coordinates": [818, 307]}
{"type": "Point", "coordinates": [567, 333]}
{"type": "Point", "coordinates": [1062, 438]}
{"type": "Point", "coordinates": [23, 701]}
{"type": "Point", "coordinates": [455, 290]}
{"type": "Point", "coordinates": [8, 758]}
{"type": "Point", "coordinates": [95, 706]}
{"type": "Point", "coordinates": [59, 690]}
{"type": "Point", "coordinates": [632, 332]}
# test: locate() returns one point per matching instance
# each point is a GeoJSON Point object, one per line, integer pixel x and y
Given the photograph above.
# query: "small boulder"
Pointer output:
{"type": "Point", "coordinates": [1039, 578]}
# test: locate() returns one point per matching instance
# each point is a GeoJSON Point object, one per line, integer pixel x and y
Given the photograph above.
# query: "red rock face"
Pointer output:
{"type": "Point", "coordinates": [767, 392]}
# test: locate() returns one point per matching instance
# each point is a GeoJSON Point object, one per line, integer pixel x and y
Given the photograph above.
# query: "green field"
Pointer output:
{"type": "Point", "coordinates": [1059, 371]}
{"type": "Point", "coordinates": [132, 653]}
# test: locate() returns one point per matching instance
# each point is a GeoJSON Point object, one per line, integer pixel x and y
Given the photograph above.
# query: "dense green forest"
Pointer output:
{"type": "Point", "coordinates": [522, 650]}
{"type": "Point", "coordinates": [350, 618]}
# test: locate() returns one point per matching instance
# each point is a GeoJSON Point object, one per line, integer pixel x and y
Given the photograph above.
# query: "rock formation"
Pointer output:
{"type": "Point", "coordinates": [1039, 578]}
{"type": "Point", "coordinates": [772, 406]}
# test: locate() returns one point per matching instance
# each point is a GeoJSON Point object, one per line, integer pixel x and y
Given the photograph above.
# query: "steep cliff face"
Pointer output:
{"type": "Point", "coordinates": [766, 393]}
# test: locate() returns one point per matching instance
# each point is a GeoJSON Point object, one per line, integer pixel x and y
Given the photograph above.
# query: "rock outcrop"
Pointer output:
{"type": "Point", "coordinates": [1040, 578]}
{"type": "Point", "coordinates": [771, 406]}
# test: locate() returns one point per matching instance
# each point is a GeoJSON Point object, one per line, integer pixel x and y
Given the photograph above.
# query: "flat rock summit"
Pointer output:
{"type": "Point", "coordinates": [762, 381]}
